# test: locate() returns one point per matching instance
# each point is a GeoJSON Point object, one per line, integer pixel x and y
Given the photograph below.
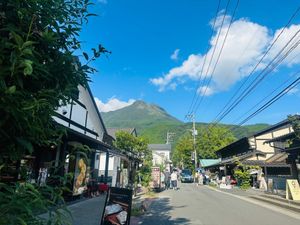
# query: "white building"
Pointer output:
{"type": "Point", "coordinates": [161, 155]}
{"type": "Point", "coordinates": [119, 167]}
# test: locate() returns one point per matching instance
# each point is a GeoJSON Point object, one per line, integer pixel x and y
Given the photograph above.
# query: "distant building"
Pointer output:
{"type": "Point", "coordinates": [259, 150]}
{"type": "Point", "coordinates": [120, 168]}
{"type": "Point", "coordinates": [161, 155]}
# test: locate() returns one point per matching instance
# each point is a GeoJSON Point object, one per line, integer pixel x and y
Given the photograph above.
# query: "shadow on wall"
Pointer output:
{"type": "Point", "coordinates": [159, 214]}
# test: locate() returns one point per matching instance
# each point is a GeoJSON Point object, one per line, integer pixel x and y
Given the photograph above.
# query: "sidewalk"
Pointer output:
{"type": "Point", "coordinates": [141, 201]}
{"type": "Point", "coordinates": [83, 212]}
{"type": "Point", "coordinates": [88, 212]}
{"type": "Point", "coordinates": [240, 192]}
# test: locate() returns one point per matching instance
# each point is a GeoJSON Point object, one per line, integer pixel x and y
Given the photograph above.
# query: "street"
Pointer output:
{"type": "Point", "coordinates": [205, 206]}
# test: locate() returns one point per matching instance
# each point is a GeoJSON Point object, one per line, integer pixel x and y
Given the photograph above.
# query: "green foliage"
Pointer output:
{"type": "Point", "coordinates": [182, 155]}
{"type": "Point", "coordinates": [39, 72]}
{"type": "Point", "coordinates": [242, 174]}
{"type": "Point", "coordinates": [125, 141]}
{"type": "Point", "coordinates": [208, 142]}
{"type": "Point", "coordinates": [138, 145]}
{"type": "Point", "coordinates": [295, 121]}
{"type": "Point", "coordinates": [23, 202]}
{"type": "Point", "coordinates": [243, 177]}
{"type": "Point", "coordinates": [211, 140]}
{"type": "Point", "coordinates": [138, 115]}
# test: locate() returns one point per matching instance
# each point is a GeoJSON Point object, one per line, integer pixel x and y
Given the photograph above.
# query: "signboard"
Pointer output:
{"type": "Point", "coordinates": [117, 209]}
{"type": "Point", "coordinates": [292, 189]}
{"type": "Point", "coordinates": [155, 175]}
{"type": "Point", "coordinates": [270, 185]}
{"type": "Point", "coordinates": [80, 185]}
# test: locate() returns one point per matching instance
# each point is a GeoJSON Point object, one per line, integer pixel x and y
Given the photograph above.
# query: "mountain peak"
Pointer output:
{"type": "Point", "coordinates": [149, 107]}
{"type": "Point", "coordinates": [139, 103]}
{"type": "Point", "coordinates": [140, 115]}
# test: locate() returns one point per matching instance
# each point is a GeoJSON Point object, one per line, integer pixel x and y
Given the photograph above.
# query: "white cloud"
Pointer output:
{"type": "Point", "coordinates": [204, 90]}
{"type": "Point", "coordinates": [112, 104]}
{"type": "Point", "coordinates": [175, 54]}
{"type": "Point", "coordinates": [293, 91]}
{"type": "Point", "coordinates": [245, 44]}
{"type": "Point", "coordinates": [102, 1]}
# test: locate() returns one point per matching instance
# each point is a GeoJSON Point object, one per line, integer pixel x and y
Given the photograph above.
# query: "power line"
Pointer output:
{"type": "Point", "coordinates": [295, 44]}
{"type": "Point", "coordinates": [218, 58]}
{"type": "Point", "coordinates": [273, 100]}
{"type": "Point", "coordinates": [214, 49]}
{"type": "Point", "coordinates": [263, 74]}
{"type": "Point", "coordinates": [283, 92]}
{"type": "Point", "coordinates": [226, 109]}
{"type": "Point", "coordinates": [266, 97]}
{"type": "Point", "coordinates": [205, 57]}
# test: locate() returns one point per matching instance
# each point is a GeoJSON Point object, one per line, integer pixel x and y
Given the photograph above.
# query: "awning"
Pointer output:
{"type": "Point", "coordinates": [73, 135]}
{"type": "Point", "coordinates": [279, 157]}
{"type": "Point", "coordinates": [242, 157]}
{"type": "Point", "coordinates": [282, 138]}
{"type": "Point", "coordinates": [262, 163]}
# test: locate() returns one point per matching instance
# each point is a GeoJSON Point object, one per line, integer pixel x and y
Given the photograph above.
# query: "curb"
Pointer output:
{"type": "Point", "coordinates": [262, 204]}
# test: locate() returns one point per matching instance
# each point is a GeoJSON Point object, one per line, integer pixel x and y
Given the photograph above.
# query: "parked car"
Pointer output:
{"type": "Point", "coordinates": [186, 176]}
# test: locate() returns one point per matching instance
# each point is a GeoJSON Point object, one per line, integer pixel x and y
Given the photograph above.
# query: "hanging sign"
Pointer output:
{"type": "Point", "coordinates": [292, 189]}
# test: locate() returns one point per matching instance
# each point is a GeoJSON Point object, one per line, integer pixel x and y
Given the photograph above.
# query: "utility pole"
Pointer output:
{"type": "Point", "coordinates": [191, 117]}
{"type": "Point", "coordinates": [169, 137]}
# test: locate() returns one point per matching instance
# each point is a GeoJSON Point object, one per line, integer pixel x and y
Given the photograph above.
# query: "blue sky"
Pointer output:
{"type": "Point", "coordinates": [158, 48]}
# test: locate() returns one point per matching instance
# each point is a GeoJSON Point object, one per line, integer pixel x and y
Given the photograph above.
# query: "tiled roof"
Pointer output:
{"type": "Point", "coordinates": [208, 162]}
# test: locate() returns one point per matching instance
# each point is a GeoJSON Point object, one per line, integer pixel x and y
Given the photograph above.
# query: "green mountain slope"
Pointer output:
{"type": "Point", "coordinates": [139, 115]}
{"type": "Point", "coordinates": [154, 122]}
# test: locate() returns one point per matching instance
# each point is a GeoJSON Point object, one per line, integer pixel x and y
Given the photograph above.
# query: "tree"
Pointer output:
{"type": "Point", "coordinates": [295, 121]}
{"type": "Point", "coordinates": [125, 141]}
{"type": "Point", "coordinates": [39, 72]}
{"type": "Point", "coordinates": [243, 175]}
{"type": "Point", "coordinates": [182, 156]}
{"type": "Point", "coordinates": [139, 145]}
{"type": "Point", "coordinates": [212, 139]}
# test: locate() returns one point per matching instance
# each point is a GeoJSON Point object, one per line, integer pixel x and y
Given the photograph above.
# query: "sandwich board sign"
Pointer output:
{"type": "Point", "coordinates": [292, 189]}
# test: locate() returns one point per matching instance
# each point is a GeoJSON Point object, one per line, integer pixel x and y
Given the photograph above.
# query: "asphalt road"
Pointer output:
{"type": "Point", "coordinates": [204, 206]}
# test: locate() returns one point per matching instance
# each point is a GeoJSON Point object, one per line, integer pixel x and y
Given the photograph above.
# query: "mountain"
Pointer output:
{"type": "Point", "coordinates": [154, 122]}
{"type": "Point", "coordinates": [139, 115]}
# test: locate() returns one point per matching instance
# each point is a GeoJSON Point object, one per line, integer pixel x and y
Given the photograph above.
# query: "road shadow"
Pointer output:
{"type": "Point", "coordinates": [159, 213]}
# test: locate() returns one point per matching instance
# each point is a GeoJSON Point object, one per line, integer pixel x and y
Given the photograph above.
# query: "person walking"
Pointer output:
{"type": "Point", "coordinates": [167, 179]}
{"type": "Point", "coordinates": [174, 178]}
{"type": "Point", "coordinates": [200, 179]}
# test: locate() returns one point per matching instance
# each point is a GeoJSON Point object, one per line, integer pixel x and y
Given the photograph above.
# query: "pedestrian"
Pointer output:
{"type": "Point", "coordinates": [174, 178]}
{"type": "Point", "coordinates": [196, 177]}
{"type": "Point", "coordinates": [167, 179]}
{"type": "Point", "coordinates": [200, 179]}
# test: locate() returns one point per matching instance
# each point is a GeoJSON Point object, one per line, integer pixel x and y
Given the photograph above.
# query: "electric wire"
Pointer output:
{"type": "Point", "coordinates": [214, 49]}
{"type": "Point", "coordinates": [205, 57]}
{"type": "Point", "coordinates": [258, 79]}
{"type": "Point", "coordinates": [267, 96]}
{"type": "Point", "coordinates": [273, 100]}
{"type": "Point", "coordinates": [218, 58]}
{"type": "Point", "coordinates": [225, 109]}
{"type": "Point", "coordinates": [295, 45]}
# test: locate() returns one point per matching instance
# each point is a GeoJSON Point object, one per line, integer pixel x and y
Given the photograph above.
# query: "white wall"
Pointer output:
{"type": "Point", "coordinates": [103, 161]}
{"type": "Point", "coordinates": [259, 141]}
{"type": "Point", "coordinates": [94, 123]}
